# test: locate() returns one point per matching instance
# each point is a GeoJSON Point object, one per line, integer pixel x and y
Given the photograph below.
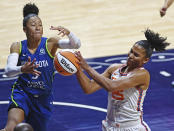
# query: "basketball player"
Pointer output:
{"type": "Point", "coordinates": [126, 85]}
{"type": "Point", "coordinates": [32, 59]}
{"type": "Point", "coordinates": [166, 5]}
{"type": "Point", "coordinates": [23, 127]}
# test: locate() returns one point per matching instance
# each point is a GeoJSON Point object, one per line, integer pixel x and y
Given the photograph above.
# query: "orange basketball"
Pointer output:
{"type": "Point", "coordinates": [65, 62]}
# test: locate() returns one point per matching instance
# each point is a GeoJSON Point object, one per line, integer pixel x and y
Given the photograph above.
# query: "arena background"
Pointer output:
{"type": "Point", "coordinates": [107, 29]}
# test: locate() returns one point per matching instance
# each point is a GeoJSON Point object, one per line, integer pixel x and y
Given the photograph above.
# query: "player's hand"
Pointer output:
{"type": "Point", "coordinates": [62, 31]}
{"type": "Point", "coordinates": [30, 67]}
{"type": "Point", "coordinates": [83, 64]}
{"type": "Point", "coordinates": [163, 11]}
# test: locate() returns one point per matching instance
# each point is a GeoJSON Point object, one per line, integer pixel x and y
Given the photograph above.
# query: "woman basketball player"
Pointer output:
{"type": "Point", "coordinates": [32, 60]}
{"type": "Point", "coordinates": [126, 85]}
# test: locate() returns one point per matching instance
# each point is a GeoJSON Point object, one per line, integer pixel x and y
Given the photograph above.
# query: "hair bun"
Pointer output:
{"type": "Point", "coordinates": [30, 9]}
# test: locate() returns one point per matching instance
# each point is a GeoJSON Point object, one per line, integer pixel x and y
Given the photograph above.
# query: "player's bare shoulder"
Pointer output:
{"type": "Point", "coordinates": [144, 71]}
{"type": "Point", "coordinates": [108, 72]}
{"type": "Point", "coordinates": [114, 67]}
{"type": "Point", "coordinates": [143, 76]}
{"type": "Point", "coordinates": [15, 47]}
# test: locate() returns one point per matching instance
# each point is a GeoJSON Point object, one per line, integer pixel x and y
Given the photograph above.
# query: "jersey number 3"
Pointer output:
{"type": "Point", "coordinates": [118, 95]}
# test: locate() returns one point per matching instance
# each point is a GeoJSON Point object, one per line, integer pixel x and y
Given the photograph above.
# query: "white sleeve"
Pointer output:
{"type": "Point", "coordinates": [11, 68]}
{"type": "Point", "coordinates": [72, 43]}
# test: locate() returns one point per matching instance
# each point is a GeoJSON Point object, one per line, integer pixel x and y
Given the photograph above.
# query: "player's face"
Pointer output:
{"type": "Point", "coordinates": [34, 28]}
{"type": "Point", "coordinates": [137, 56]}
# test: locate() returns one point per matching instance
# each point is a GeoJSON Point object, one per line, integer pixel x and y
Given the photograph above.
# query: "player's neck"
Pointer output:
{"type": "Point", "coordinates": [33, 44]}
{"type": "Point", "coordinates": [127, 69]}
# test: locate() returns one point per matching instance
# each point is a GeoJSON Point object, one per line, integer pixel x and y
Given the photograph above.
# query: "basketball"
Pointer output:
{"type": "Point", "coordinates": [65, 62]}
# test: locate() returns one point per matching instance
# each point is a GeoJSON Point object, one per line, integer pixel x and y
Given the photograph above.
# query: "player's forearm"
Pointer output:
{"type": "Point", "coordinates": [11, 68]}
{"type": "Point", "coordinates": [11, 71]}
{"type": "Point", "coordinates": [72, 43]}
{"type": "Point", "coordinates": [100, 79]}
{"type": "Point", "coordinates": [167, 3]}
{"type": "Point", "coordinates": [84, 81]}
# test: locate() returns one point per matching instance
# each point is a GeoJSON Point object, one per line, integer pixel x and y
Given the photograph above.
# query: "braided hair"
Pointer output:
{"type": "Point", "coordinates": [153, 42]}
{"type": "Point", "coordinates": [29, 10]}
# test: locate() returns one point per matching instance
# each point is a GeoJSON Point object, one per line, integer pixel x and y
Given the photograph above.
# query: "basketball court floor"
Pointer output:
{"type": "Point", "coordinates": [75, 111]}
{"type": "Point", "coordinates": [107, 29]}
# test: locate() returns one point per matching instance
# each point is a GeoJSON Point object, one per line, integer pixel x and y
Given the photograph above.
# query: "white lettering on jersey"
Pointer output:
{"type": "Point", "coordinates": [38, 84]}
{"type": "Point", "coordinates": [43, 63]}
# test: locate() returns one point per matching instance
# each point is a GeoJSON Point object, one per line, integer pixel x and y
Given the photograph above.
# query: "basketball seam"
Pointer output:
{"type": "Point", "coordinates": [61, 67]}
{"type": "Point", "coordinates": [67, 58]}
{"type": "Point", "coordinates": [70, 62]}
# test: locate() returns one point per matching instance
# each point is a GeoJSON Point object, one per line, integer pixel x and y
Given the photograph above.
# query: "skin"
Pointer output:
{"type": "Point", "coordinates": [137, 76]}
{"type": "Point", "coordinates": [23, 127]}
{"type": "Point", "coordinates": [34, 32]}
{"type": "Point", "coordinates": [166, 5]}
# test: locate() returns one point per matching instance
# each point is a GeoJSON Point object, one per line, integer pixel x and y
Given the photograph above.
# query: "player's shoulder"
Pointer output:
{"type": "Point", "coordinates": [143, 77]}
{"type": "Point", "coordinates": [114, 67]}
{"type": "Point", "coordinates": [14, 44]}
{"type": "Point", "coordinates": [142, 69]}
{"type": "Point", "coordinates": [15, 47]}
{"type": "Point", "coordinates": [142, 72]}
{"type": "Point", "coordinates": [53, 39]}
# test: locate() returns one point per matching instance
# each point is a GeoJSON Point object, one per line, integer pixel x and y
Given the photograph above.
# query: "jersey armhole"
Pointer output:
{"type": "Point", "coordinates": [46, 45]}
{"type": "Point", "coordinates": [20, 48]}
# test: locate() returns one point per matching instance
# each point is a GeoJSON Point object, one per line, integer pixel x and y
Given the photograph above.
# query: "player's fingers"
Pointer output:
{"type": "Point", "coordinates": [36, 66]}
{"type": "Point", "coordinates": [78, 62]}
{"type": "Point", "coordinates": [162, 14]}
{"type": "Point", "coordinates": [35, 72]}
{"type": "Point", "coordinates": [60, 32]}
{"type": "Point", "coordinates": [29, 59]}
{"type": "Point", "coordinates": [163, 11]}
{"type": "Point", "coordinates": [63, 35]}
{"type": "Point", "coordinates": [54, 28]}
{"type": "Point", "coordinates": [77, 55]}
{"type": "Point", "coordinates": [60, 27]}
{"type": "Point", "coordinates": [33, 62]}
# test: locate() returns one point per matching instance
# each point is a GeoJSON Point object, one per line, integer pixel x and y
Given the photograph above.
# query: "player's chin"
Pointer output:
{"type": "Point", "coordinates": [131, 64]}
{"type": "Point", "coordinates": [37, 36]}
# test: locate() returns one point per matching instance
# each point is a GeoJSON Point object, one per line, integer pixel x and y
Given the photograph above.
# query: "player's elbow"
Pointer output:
{"type": "Point", "coordinates": [87, 92]}
{"type": "Point", "coordinates": [108, 87]}
{"type": "Point", "coordinates": [7, 72]}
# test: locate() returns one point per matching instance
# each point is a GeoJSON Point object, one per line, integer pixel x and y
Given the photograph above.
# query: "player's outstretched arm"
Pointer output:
{"type": "Point", "coordinates": [72, 43]}
{"type": "Point", "coordinates": [53, 43]}
{"type": "Point", "coordinates": [166, 5]}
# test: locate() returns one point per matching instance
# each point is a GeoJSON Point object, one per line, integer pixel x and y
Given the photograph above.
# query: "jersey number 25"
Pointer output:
{"type": "Point", "coordinates": [118, 95]}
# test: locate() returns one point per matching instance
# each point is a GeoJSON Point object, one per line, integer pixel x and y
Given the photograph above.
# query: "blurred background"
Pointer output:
{"type": "Point", "coordinates": [105, 27]}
